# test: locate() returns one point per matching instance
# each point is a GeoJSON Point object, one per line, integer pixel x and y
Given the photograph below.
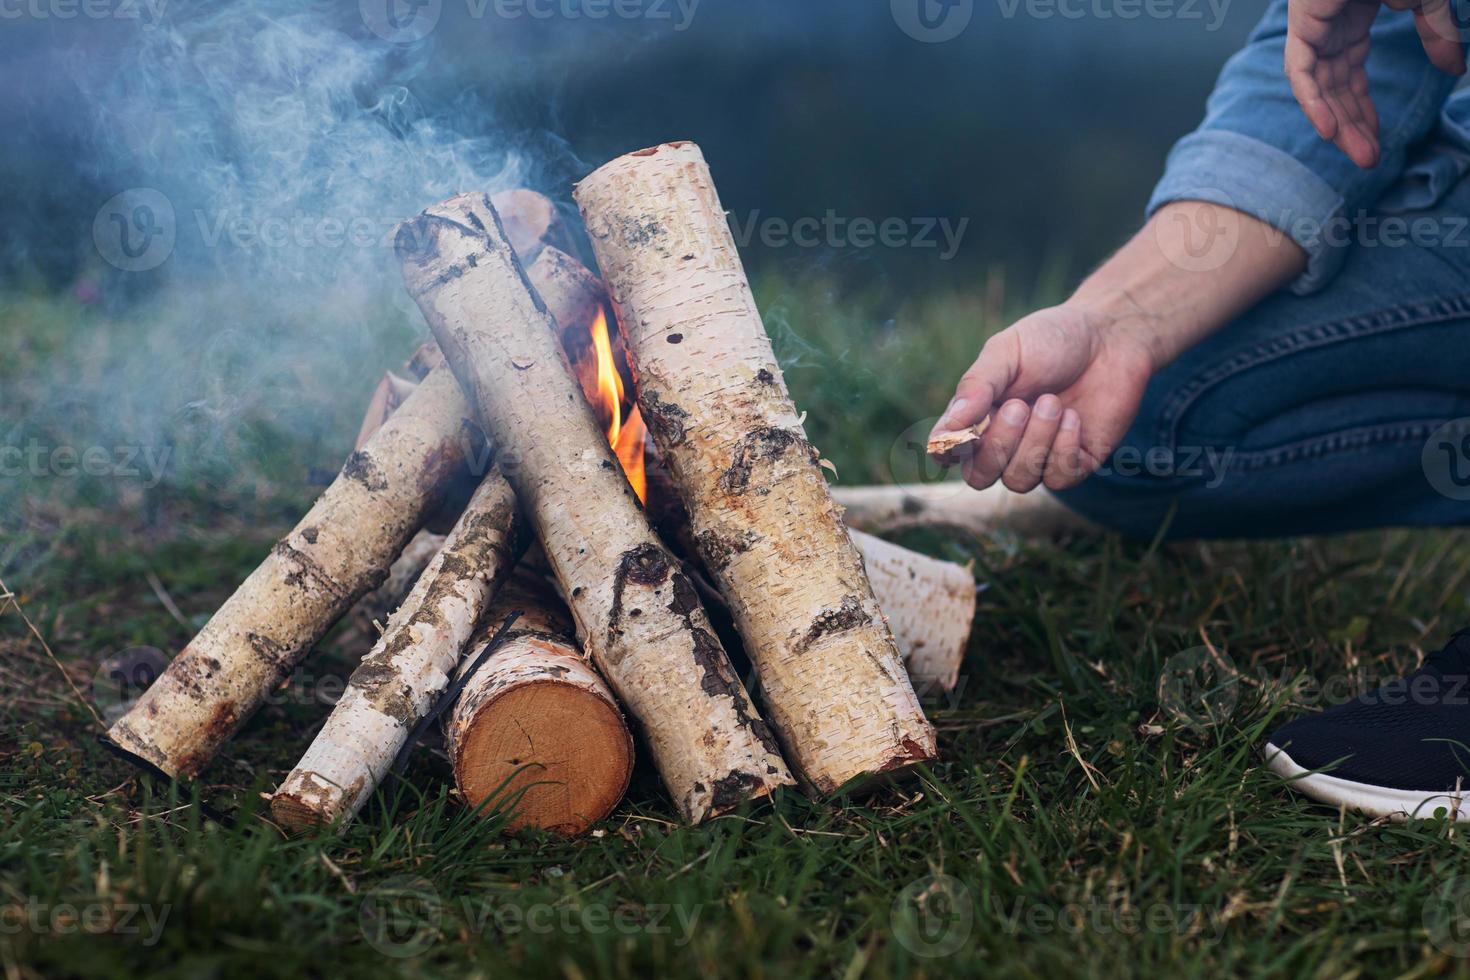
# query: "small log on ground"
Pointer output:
{"type": "Point", "coordinates": [637, 614]}
{"type": "Point", "coordinates": [714, 399]}
{"type": "Point", "coordinates": [401, 679]}
{"type": "Point", "coordinates": [952, 504]}
{"type": "Point", "coordinates": [929, 605]}
{"type": "Point", "coordinates": [535, 727]}
{"type": "Point", "coordinates": [341, 549]}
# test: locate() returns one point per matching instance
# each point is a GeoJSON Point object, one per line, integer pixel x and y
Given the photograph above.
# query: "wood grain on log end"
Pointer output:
{"type": "Point", "coordinates": [557, 755]}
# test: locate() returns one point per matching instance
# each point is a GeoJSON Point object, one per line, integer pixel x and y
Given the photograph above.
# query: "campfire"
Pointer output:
{"type": "Point", "coordinates": [553, 613]}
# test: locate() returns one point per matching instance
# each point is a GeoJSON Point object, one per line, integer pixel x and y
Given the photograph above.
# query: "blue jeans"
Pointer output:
{"type": "Point", "coordinates": [1315, 414]}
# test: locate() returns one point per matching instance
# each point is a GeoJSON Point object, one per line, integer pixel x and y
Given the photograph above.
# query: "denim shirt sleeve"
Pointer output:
{"type": "Point", "coordinates": [1257, 153]}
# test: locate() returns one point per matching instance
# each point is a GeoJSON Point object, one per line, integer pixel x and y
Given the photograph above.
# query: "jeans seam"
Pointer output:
{"type": "Point", "coordinates": [1303, 339]}
{"type": "Point", "coordinates": [1344, 441]}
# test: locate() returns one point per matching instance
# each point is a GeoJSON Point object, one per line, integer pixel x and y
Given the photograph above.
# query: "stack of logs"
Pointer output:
{"type": "Point", "coordinates": [612, 596]}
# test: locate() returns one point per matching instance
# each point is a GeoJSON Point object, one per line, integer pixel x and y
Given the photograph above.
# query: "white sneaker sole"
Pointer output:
{"type": "Point", "coordinates": [1380, 801]}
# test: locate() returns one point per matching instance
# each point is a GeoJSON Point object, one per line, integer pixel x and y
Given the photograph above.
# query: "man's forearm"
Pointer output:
{"type": "Point", "coordinates": [1188, 272]}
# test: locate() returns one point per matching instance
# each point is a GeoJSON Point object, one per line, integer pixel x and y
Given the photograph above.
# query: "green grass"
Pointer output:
{"type": "Point", "coordinates": [1079, 823]}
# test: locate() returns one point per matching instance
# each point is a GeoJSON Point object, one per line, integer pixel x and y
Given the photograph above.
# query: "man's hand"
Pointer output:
{"type": "Point", "coordinates": [1327, 45]}
{"type": "Point", "coordinates": [1061, 387]}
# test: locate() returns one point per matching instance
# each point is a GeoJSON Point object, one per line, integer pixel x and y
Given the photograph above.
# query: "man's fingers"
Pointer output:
{"type": "Point", "coordinates": [1301, 63]}
{"type": "Point", "coordinates": [986, 380]}
{"type": "Point", "coordinates": [999, 445]}
{"type": "Point", "coordinates": [1440, 33]}
{"type": "Point", "coordinates": [1026, 467]}
{"type": "Point", "coordinates": [1334, 96]}
{"type": "Point", "coordinates": [1066, 466]}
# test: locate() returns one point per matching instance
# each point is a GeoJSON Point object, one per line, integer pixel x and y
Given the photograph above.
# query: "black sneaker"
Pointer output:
{"type": "Point", "coordinates": [1402, 751]}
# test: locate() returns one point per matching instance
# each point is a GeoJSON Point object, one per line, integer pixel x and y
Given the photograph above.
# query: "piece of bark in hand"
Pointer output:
{"type": "Point", "coordinates": [949, 445]}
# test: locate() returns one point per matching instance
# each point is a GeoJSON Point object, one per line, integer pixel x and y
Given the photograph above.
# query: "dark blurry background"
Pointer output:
{"type": "Point", "coordinates": [176, 178]}
{"type": "Point", "coordinates": [1044, 125]}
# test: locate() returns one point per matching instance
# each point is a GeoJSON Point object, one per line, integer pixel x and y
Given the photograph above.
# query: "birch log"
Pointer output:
{"type": "Point", "coordinates": [571, 293]}
{"type": "Point", "coordinates": [929, 605]}
{"type": "Point", "coordinates": [535, 727]}
{"type": "Point", "coordinates": [409, 667]}
{"type": "Point", "coordinates": [952, 504]}
{"type": "Point", "coordinates": [637, 615]}
{"type": "Point", "coordinates": [341, 549]}
{"type": "Point", "coordinates": [714, 399]}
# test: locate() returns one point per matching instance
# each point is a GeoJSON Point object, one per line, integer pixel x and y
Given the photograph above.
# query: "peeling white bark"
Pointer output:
{"type": "Point", "coordinates": [929, 605]}
{"type": "Point", "coordinates": [714, 399]}
{"type": "Point", "coordinates": [637, 615]}
{"type": "Point", "coordinates": [404, 674]}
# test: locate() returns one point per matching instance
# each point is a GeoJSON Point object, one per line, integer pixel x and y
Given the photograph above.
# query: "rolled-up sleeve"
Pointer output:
{"type": "Point", "coordinates": [1257, 153]}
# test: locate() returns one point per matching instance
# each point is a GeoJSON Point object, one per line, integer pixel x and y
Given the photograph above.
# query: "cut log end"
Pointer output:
{"type": "Point", "coordinates": [296, 814]}
{"type": "Point", "coordinates": [555, 754]}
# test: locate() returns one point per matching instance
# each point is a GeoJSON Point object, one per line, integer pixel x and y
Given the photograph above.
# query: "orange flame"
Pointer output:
{"type": "Point", "coordinates": [626, 437]}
